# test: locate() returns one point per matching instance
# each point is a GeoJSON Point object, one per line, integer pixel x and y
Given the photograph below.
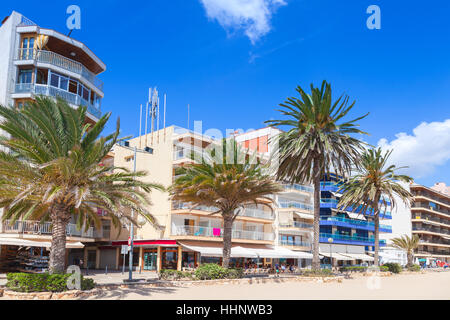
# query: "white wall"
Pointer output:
{"type": "Point", "coordinates": [7, 49]}
{"type": "Point", "coordinates": [401, 220]}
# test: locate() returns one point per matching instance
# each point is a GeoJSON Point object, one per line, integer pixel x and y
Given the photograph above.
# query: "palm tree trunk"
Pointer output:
{"type": "Point", "coordinates": [316, 182]}
{"type": "Point", "coordinates": [377, 236]}
{"type": "Point", "coordinates": [60, 218]}
{"type": "Point", "coordinates": [228, 230]}
{"type": "Point", "coordinates": [410, 257]}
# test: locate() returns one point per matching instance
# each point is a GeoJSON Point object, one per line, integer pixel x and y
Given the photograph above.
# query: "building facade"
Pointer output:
{"type": "Point", "coordinates": [40, 61]}
{"type": "Point", "coordinates": [347, 236]}
{"type": "Point", "coordinates": [185, 236]}
{"type": "Point", "coordinates": [431, 221]}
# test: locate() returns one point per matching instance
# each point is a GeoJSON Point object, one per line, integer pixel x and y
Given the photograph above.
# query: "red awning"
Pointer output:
{"type": "Point", "coordinates": [138, 243]}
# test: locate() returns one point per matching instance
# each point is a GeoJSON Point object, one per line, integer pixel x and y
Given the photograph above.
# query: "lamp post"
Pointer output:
{"type": "Point", "coordinates": [147, 150]}
{"type": "Point", "coordinates": [330, 241]}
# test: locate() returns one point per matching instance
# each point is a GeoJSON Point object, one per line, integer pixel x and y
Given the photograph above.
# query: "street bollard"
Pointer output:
{"type": "Point", "coordinates": [106, 270]}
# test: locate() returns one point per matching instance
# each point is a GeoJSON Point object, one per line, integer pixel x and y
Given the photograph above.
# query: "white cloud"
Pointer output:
{"type": "Point", "coordinates": [423, 151]}
{"type": "Point", "coordinates": [253, 16]}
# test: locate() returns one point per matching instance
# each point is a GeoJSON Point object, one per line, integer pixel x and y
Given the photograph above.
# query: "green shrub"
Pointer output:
{"type": "Point", "coordinates": [393, 267]}
{"type": "Point", "coordinates": [384, 269]}
{"type": "Point", "coordinates": [43, 282]}
{"type": "Point", "coordinates": [174, 275]}
{"type": "Point", "coordinates": [353, 269]}
{"type": "Point", "coordinates": [317, 273]}
{"type": "Point", "coordinates": [414, 268]}
{"type": "Point", "coordinates": [211, 271]}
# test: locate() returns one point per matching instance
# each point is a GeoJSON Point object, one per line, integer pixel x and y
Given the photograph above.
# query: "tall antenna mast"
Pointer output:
{"type": "Point", "coordinates": [146, 115]}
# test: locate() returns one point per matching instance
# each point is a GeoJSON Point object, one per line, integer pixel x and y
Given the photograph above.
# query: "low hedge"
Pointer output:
{"type": "Point", "coordinates": [209, 271]}
{"type": "Point", "coordinates": [361, 269]}
{"type": "Point", "coordinates": [43, 282]}
{"type": "Point", "coordinates": [317, 273]}
{"type": "Point", "coordinates": [414, 268]}
{"type": "Point", "coordinates": [166, 274]}
{"type": "Point", "coordinates": [393, 267]}
{"type": "Point", "coordinates": [212, 271]}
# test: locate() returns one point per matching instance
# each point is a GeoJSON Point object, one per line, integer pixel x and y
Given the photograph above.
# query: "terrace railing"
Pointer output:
{"type": "Point", "coordinates": [179, 230]}
{"type": "Point", "coordinates": [60, 61]}
{"type": "Point", "coordinates": [45, 90]}
{"type": "Point", "coordinates": [45, 228]}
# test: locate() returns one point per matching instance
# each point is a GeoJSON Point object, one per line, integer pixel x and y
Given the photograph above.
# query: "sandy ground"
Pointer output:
{"type": "Point", "coordinates": [432, 285]}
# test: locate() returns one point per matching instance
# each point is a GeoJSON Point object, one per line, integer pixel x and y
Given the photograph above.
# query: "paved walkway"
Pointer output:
{"type": "Point", "coordinates": [431, 285]}
{"type": "Point", "coordinates": [101, 277]}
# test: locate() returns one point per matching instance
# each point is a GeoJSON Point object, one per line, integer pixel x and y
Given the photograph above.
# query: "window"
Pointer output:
{"type": "Point", "coordinates": [27, 48]}
{"type": "Point", "coordinates": [54, 80]}
{"type": "Point", "coordinates": [25, 75]}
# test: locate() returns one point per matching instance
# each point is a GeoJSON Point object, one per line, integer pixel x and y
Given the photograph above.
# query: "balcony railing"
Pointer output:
{"type": "Point", "coordinates": [61, 62]}
{"type": "Point", "coordinates": [347, 238]}
{"type": "Point", "coordinates": [295, 243]}
{"type": "Point", "coordinates": [38, 228]}
{"type": "Point", "coordinates": [295, 204]}
{"type": "Point", "coordinates": [333, 203]}
{"type": "Point", "coordinates": [296, 224]}
{"type": "Point", "coordinates": [355, 222]}
{"type": "Point", "coordinates": [199, 231]}
{"type": "Point", "coordinates": [342, 237]}
{"type": "Point", "coordinates": [298, 187]}
{"type": "Point", "coordinates": [45, 90]}
{"type": "Point", "coordinates": [248, 212]}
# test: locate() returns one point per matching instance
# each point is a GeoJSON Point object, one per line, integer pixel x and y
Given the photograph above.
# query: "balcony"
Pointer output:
{"type": "Point", "coordinates": [248, 212]}
{"type": "Point", "coordinates": [333, 204]}
{"type": "Point", "coordinates": [38, 228]}
{"type": "Point", "coordinates": [296, 205]}
{"type": "Point", "coordinates": [295, 243]}
{"type": "Point", "coordinates": [346, 239]}
{"type": "Point", "coordinates": [210, 232]}
{"type": "Point", "coordinates": [297, 224]}
{"type": "Point", "coordinates": [57, 60]}
{"type": "Point", "coordinates": [297, 187]}
{"type": "Point", "coordinates": [353, 223]}
{"type": "Point", "coordinates": [49, 91]}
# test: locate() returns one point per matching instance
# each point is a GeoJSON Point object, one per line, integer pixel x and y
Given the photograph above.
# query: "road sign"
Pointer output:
{"type": "Point", "coordinates": [125, 249]}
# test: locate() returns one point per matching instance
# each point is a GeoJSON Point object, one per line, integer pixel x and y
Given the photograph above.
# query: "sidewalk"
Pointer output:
{"type": "Point", "coordinates": [116, 277]}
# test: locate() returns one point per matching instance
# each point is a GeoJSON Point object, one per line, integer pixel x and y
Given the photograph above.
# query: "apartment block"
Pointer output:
{"type": "Point", "coordinates": [40, 61]}
{"type": "Point", "coordinates": [186, 236]}
{"type": "Point", "coordinates": [431, 221]}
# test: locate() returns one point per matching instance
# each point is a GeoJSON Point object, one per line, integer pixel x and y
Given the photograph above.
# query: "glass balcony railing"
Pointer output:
{"type": "Point", "coordinates": [45, 228]}
{"type": "Point", "coordinates": [49, 91]}
{"type": "Point", "coordinates": [355, 222]}
{"type": "Point", "coordinates": [295, 204]}
{"type": "Point", "coordinates": [298, 187]}
{"type": "Point", "coordinates": [341, 237]}
{"type": "Point", "coordinates": [295, 243]}
{"type": "Point", "coordinates": [333, 203]}
{"type": "Point", "coordinates": [60, 61]}
{"type": "Point", "coordinates": [248, 212]}
{"type": "Point", "coordinates": [296, 224]}
{"type": "Point", "coordinates": [199, 231]}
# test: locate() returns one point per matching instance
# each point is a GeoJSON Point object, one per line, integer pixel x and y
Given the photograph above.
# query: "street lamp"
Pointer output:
{"type": "Point", "coordinates": [148, 150]}
{"type": "Point", "coordinates": [330, 241]}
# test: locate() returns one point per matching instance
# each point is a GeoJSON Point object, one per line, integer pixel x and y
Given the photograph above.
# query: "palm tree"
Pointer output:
{"type": "Point", "coordinates": [373, 187]}
{"type": "Point", "coordinates": [226, 181]}
{"type": "Point", "coordinates": [408, 244]}
{"type": "Point", "coordinates": [316, 142]}
{"type": "Point", "coordinates": [52, 172]}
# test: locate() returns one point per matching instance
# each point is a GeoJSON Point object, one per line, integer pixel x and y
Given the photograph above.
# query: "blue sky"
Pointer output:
{"type": "Point", "coordinates": [234, 65]}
